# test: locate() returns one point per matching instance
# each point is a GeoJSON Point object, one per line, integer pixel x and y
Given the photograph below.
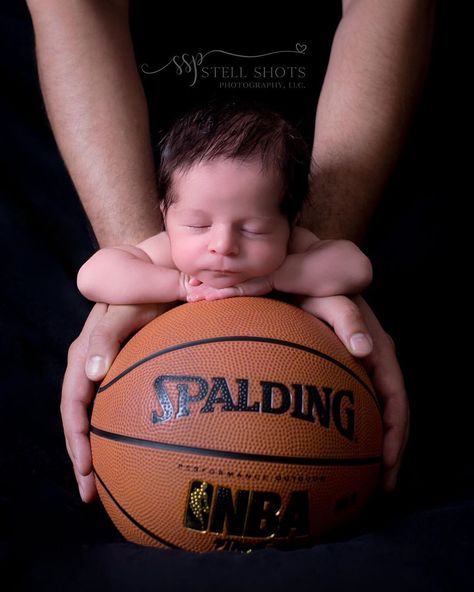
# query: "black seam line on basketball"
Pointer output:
{"type": "Point", "coordinates": [132, 519]}
{"type": "Point", "coordinates": [246, 456]}
{"type": "Point", "coordinates": [241, 338]}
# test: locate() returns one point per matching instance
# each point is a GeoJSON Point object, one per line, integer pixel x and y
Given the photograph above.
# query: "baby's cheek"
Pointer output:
{"type": "Point", "coordinates": [184, 258]}
{"type": "Point", "coordinates": [269, 258]}
{"type": "Point", "coordinates": [186, 262]}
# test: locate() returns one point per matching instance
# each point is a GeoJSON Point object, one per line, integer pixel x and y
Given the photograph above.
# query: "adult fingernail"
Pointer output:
{"type": "Point", "coordinates": [81, 491]}
{"type": "Point", "coordinates": [361, 344]}
{"type": "Point", "coordinates": [95, 366]}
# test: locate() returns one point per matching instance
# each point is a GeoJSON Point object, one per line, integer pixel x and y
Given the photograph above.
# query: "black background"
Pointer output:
{"type": "Point", "coordinates": [421, 537]}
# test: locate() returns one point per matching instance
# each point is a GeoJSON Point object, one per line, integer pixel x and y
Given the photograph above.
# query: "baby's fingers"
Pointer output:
{"type": "Point", "coordinates": [223, 293]}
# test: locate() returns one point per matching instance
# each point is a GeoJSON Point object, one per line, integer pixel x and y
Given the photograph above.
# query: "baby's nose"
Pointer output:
{"type": "Point", "coordinates": [223, 241]}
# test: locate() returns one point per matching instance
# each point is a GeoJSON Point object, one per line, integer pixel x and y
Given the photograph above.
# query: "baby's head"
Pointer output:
{"type": "Point", "coordinates": [242, 133]}
{"type": "Point", "coordinates": [232, 181]}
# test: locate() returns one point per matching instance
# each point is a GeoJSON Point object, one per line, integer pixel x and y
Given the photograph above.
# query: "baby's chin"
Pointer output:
{"type": "Point", "coordinates": [219, 280]}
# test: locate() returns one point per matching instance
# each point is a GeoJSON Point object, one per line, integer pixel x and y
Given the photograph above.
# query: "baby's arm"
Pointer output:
{"type": "Point", "coordinates": [132, 274]}
{"type": "Point", "coordinates": [312, 268]}
{"type": "Point", "coordinates": [320, 268]}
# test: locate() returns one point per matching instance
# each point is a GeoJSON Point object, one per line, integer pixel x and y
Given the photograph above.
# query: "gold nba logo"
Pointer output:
{"type": "Point", "coordinates": [255, 514]}
{"type": "Point", "coordinates": [199, 505]}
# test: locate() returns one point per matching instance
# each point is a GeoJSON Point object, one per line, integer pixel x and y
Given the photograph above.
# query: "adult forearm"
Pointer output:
{"type": "Point", "coordinates": [98, 113]}
{"type": "Point", "coordinates": [377, 67]}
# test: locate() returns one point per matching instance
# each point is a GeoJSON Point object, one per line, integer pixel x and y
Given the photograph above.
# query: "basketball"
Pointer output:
{"type": "Point", "coordinates": [235, 424]}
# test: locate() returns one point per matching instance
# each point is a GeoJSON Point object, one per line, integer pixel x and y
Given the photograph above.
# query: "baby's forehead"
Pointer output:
{"type": "Point", "coordinates": [254, 165]}
{"type": "Point", "coordinates": [217, 183]}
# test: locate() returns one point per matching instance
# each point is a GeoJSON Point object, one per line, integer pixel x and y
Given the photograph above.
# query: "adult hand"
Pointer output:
{"type": "Point", "coordinates": [353, 320]}
{"type": "Point", "coordinates": [89, 358]}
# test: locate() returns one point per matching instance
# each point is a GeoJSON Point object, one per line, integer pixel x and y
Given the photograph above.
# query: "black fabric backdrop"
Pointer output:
{"type": "Point", "coordinates": [419, 538]}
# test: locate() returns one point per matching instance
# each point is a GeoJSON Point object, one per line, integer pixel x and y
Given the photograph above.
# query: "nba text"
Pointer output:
{"type": "Point", "coordinates": [244, 513]}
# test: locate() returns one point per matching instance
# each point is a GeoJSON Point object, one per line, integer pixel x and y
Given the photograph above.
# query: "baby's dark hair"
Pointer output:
{"type": "Point", "coordinates": [240, 132]}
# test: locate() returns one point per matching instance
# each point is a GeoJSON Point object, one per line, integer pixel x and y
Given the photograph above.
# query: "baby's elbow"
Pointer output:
{"type": "Point", "coordinates": [366, 272]}
{"type": "Point", "coordinates": [85, 282]}
{"type": "Point", "coordinates": [360, 265]}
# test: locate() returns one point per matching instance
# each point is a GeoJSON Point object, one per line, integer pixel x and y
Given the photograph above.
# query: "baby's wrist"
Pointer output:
{"type": "Point", "coordinates": [182, 286]}
{"type": "Point", "coordinates": [272, 280]}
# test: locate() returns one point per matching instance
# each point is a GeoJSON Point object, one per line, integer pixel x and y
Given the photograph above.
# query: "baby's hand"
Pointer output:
{"type": "Point", "coordinates": [253, 287]}
{"type": "Point", "coordinates": [205, 292]}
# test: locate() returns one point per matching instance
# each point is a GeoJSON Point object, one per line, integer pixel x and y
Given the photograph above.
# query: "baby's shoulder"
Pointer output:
{"type": "Point", "coordinates": [158, 248]}
{"type": "Point", "coordinates": [301, 239]}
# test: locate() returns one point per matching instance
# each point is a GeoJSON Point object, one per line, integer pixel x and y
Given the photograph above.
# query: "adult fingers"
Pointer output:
{"type": "Point", "coordinates": [111, 331]}
{"type": "Point", "coordinates": [345, 317]}
{"type": "Point", "coordinates": [77, 393]}
{"type": "Point", "coordinates": [388, 382]}
{"type": "Point", "coordinates": [387, 378]}
{"type": "Point", "coordinates": [89, 359]}
{"type": "Point", "coordinates": [350, 319]}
